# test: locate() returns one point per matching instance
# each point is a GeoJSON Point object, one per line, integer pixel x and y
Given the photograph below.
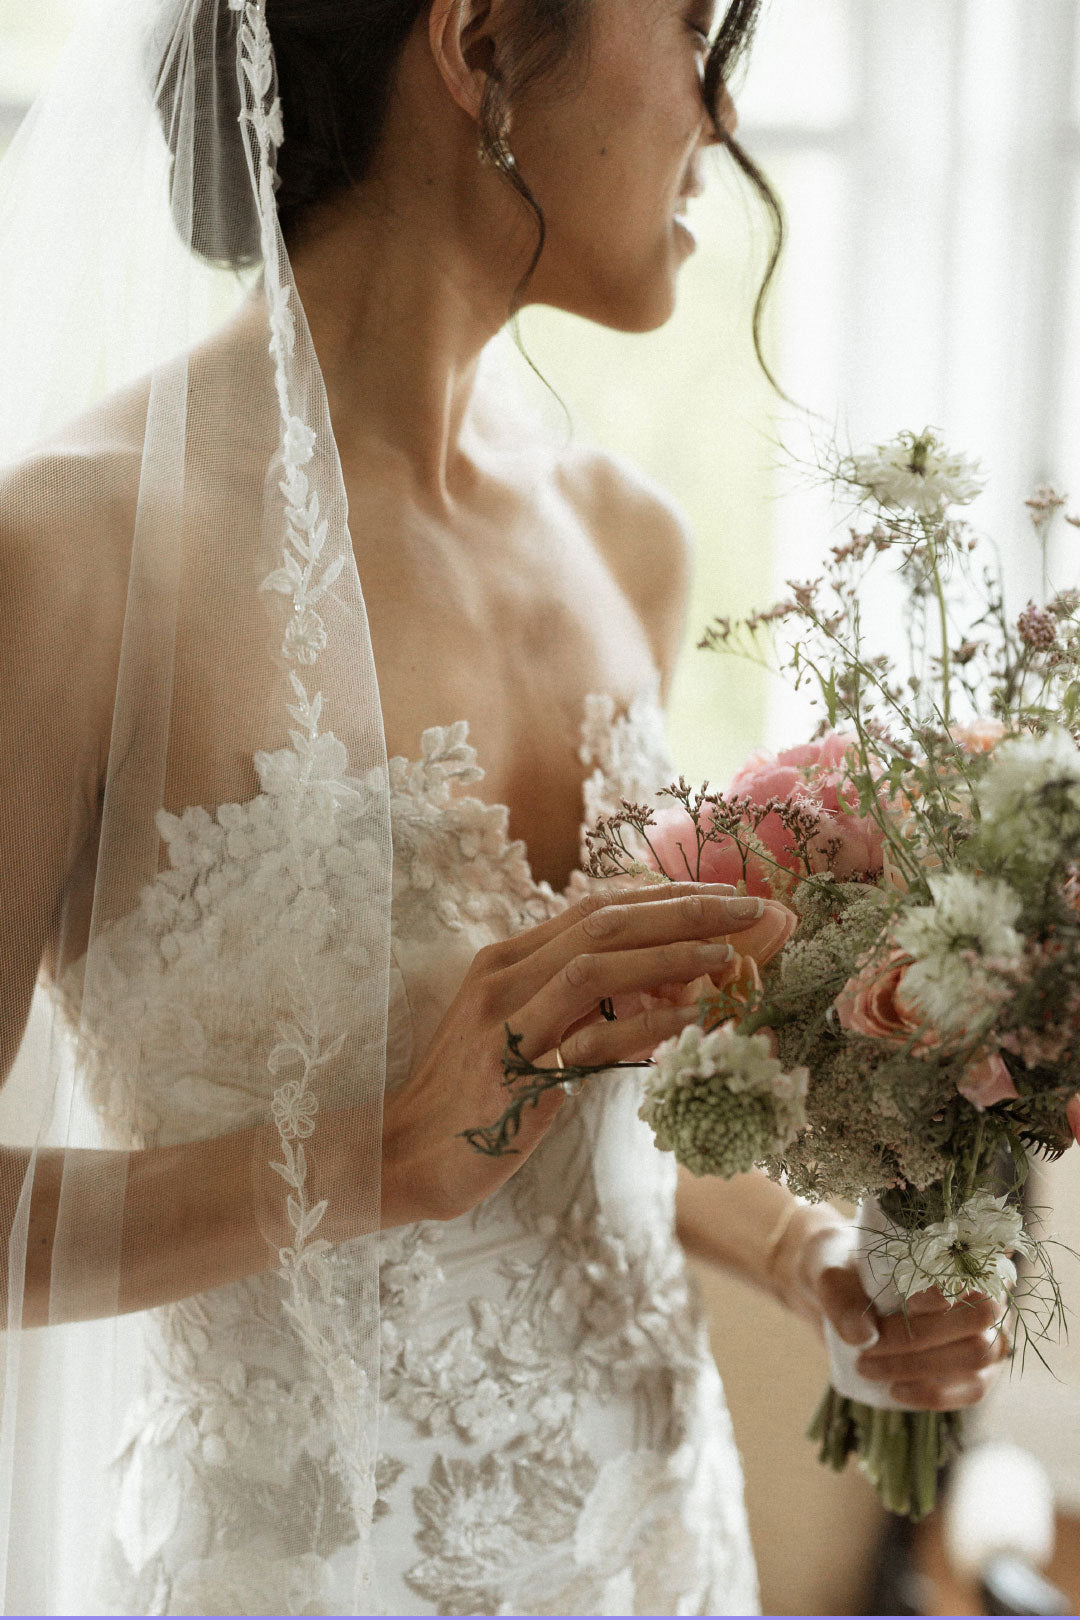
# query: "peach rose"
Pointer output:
{"type": "Point", "coordinates": [980, 737]}
{"type": "Point", "coordinates": [988, 1081]}
{"type": "Point", "coordinates": [872, 1003]}
{"type": "Point", "coordinates": [739, 979]}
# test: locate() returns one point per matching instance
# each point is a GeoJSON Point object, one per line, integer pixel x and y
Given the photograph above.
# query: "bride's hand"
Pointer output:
{"type": "Point", "coordinates": [545, 984]}
{"type": "Point", "coordinates": [937, 1359]}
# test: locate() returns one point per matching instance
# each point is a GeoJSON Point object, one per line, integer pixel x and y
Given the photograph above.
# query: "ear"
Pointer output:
{"type": "Point", "coordinates": [460, 33]}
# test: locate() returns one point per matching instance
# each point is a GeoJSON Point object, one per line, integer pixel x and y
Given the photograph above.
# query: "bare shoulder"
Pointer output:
{"type": "Point", "coordinates": [65, 522]}
{"type": "Point", "coordinates": [644, 536]}
{"type": "Point", "coordinates": [61, 612]}
{"type": "Point", "coordinates": [66, 516]}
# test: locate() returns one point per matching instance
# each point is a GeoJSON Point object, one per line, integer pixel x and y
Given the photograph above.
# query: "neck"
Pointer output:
{"type": "Point", "coordinates": [402, 288]}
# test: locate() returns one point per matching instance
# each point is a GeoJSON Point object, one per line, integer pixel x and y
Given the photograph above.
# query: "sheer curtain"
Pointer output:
{"type": "Point", "coordinates": [945, 243]}
{"type": "Point", "coordinates": [928, 155]}
{"type": "Point", "coordinates": [935, 278]}
{"type": "Point", "coordinates": [956, 243]}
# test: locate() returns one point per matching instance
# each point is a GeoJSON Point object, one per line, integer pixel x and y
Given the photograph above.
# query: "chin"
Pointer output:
{"type": "Point", "coordinates": [637, 307]}
{"type": "Point", "coordinates": [648, 315]}
{"type": "Point", "coordinates": [642, 302]}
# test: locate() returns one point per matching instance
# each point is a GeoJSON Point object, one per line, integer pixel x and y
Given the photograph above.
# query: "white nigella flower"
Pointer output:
{"type": "Point", "coordinates": [1023, 765]}
{"type": "Point", "coordinates": [970, 915]}
{"type": "Point", "coordinates": [915, 473]}
{"type": "Point", "coordinates": [968, 1252]}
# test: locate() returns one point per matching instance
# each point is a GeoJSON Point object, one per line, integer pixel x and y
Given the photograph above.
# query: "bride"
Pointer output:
{"type": "Point", "coordinates": [318, 652]}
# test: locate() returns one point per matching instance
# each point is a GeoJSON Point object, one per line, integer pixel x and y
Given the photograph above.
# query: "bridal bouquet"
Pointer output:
{"type": "Point", "coordinates": [914, 1037]}
{"type": "Point", "coordinates": [907, 1034]}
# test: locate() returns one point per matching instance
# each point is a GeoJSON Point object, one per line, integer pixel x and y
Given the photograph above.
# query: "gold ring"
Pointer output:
{"type": "Point", "coordinates": [571, 1087]}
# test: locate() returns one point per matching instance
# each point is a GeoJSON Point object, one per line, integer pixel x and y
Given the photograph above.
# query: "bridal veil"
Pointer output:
{"type": "Point", "coordinates": [186, 650]}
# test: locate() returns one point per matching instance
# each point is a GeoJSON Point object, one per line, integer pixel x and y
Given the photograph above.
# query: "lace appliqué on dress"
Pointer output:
{"type": "Point", "coordinates": [553, 1432]}
{"type": "Point", "coordinates": [559, 1439]}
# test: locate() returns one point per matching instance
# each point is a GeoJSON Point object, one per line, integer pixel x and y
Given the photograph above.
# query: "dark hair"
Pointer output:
{"type": "Point", "coordinates": [336, 61]}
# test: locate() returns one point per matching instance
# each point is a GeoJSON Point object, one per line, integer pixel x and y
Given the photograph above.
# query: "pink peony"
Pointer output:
{"type": "Point", "coordinates": [812, 774]}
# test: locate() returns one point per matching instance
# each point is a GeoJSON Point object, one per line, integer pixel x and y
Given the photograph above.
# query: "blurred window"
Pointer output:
{"type": "Point", "coordinates": [31, 34]}
{"type": "Point", "coordinates": [928, 156]}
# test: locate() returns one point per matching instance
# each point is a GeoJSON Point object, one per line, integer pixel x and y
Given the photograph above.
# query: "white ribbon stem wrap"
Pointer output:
{"type": "Point", "coordinates": [871, 1226]}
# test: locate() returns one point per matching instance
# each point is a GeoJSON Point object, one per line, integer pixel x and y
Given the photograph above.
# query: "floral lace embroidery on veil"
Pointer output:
{"type": "Point", "coordinates": [302, 1045]}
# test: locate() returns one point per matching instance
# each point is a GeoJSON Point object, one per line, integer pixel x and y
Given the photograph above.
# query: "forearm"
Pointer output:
{"type": "Point", "coordinates": [145, 1228]}
{"type": "Point", "coordinates": [750, 1226]}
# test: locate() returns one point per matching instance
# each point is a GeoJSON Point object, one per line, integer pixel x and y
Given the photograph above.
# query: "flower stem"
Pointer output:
{"type": "Point", "coordinates": [976, 1155]}
{"type": "Point", "coordinates": [943, 619]}
{"type": "Point", "coordinates": [901, 1453]}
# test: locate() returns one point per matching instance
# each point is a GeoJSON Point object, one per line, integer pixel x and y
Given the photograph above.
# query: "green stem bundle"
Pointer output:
{"type": "Point", "coordinates": [901, 1453]}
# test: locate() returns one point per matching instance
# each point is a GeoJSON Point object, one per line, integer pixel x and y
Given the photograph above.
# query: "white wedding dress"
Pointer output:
{"type": "Point", "coordinates": [553, 1437]}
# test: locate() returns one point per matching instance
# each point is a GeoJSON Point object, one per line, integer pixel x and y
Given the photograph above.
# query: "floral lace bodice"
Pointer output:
{"type": "Point", "coordinates": [552, 1434]}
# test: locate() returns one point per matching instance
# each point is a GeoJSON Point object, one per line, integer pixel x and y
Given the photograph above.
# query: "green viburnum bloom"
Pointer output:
{"type": "Point", "coordinates": [721, 1102]}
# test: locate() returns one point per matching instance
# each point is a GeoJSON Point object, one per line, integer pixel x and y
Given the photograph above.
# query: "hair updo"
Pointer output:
{"type": "Point", "coordinates": [336, 63]}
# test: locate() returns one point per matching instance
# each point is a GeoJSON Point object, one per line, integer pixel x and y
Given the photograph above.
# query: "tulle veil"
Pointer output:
{"type": "Point", "coordinates": [172, 511]}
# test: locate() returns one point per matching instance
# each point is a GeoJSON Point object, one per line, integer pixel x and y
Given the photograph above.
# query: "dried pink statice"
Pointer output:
{"type": "Point", "coordinates": [1037, 627]}
{"type": "Point", "coordinates": [1043, 504]}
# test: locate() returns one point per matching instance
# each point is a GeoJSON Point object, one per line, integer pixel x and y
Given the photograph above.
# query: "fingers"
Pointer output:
{"type": "Point", "coordinates": [939, 1364]}
{"type": "Point", "coordinates": [932, 1300]}
{"type": "Point", "coordinates": [584, 956]}
{"type": "Point", "coordinates": [588, 979]}
{"type": "Point", "coordinates": [848, 1306]}
{"type": "Point", "coordinates": [532, 940]}
{"type": "Point", "coordinates": [925, 1396]}
{"type": "Point", "coordinates": [943, 1357]}
{"type": "Point", "coordinates": [764, 938]}
{"type": "Point", "coordinates": [628, 1039]}
{"type": "Point", "coordinates": [933, 1325]}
